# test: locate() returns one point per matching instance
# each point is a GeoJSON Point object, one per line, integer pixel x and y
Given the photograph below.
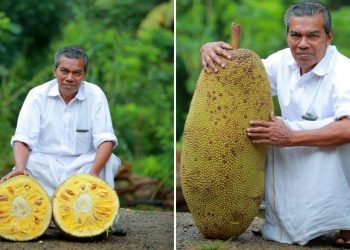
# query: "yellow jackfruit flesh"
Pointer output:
{"type": "Point", "coordinates": [25, 209]}
{"type": "Point", "coordinates": [222, 172]}
{"type": "Point", "coordinates": [84, 206]}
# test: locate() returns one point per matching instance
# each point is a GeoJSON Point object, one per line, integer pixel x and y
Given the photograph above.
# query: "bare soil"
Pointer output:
{"type": "Point", "coordinates": [145, 230]}
{"type": "Point", "coordinates": [189, 238]}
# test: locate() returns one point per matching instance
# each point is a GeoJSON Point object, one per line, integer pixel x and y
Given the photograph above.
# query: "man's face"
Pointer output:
{"type": "Point", "coordinates": [69, 73]}
{"type": "Point", "coordinates": [308, 41]}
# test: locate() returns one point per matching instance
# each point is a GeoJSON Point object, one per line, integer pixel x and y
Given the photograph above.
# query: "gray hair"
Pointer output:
{"type": "Point", "coordinates": [309, 8]}
{"type": "Point", "coordinates": [71, 52]}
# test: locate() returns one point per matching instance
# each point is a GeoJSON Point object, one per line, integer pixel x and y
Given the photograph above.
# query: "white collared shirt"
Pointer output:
{"type": "Point", "coordinates": [324, 91]}
{"type": "Point", "coordinates": [48, 125]}
{"type": "Point", "coordinates": [307, 189]}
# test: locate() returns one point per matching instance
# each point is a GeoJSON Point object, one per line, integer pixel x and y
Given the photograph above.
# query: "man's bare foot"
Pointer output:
{"type": "Point", "coordinates": [343, 239]}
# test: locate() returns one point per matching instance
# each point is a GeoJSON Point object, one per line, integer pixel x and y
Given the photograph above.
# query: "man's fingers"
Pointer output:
{"type": "Point", "coordinates": [225, 50]}
{"type": "Point", "coordinates": [257, 123]}
{"type": "Point", "coordinates": [259, 129]}
{"type": "Point", "coordinates": [222, 52]}
{"type": "Point", "coordinates": [261, 141]}
{"type": "Point", "coordinates": [257, 135]}
{"type": "Point", "coordinates": [210, 65]}
{"type": "Point", "coordinates": [216, 59]}
{"type": "Point", "coordinates": [204, 65]}
{"type": "Point", "coordinates": [6, 177]}
{"type": "Point", "coordinates": [273, 117]}
{"type": "Point", "coordinates": [216, 54]}
{"type": "Point", "coordinates": [94, 174]}
{"type": "Point", "coordinates": [13, 174]}
{"type": "Point", "coordinates": [212, 54]}
{"type": "Point", "coordinates": [225, 45]}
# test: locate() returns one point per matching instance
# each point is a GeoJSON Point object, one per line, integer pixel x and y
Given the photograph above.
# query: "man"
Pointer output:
{"type": "Point", "coordinates": [64, 127]}
{"type": "Point", "coordinates": [307, 182]}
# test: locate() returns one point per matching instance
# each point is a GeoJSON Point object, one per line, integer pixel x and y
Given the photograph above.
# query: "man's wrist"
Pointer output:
{"type": "Point", "coordinates": [20, 168]}
{"type": "Point", "coordinates": [290, 138]}
{"type": "Point", "coordinates": [93, 172]}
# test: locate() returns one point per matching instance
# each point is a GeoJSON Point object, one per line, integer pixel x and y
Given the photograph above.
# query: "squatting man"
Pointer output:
{"type": "Point", "coordinates": [65, 127]}
{"type": "Point", "coordinates": [307, 179]}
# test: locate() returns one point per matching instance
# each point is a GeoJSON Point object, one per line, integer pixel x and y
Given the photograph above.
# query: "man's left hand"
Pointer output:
{"type": "Point", "coordinates": [274, 132]}
{"type": "Point", "coordinates": [93, 173]}
{"type": "Point", "coordinates": [14, 173]}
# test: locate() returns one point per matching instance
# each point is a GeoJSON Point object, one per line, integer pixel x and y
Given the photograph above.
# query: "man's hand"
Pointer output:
{"type": "Point", "coordinates": [274, 132]}
{"type": "Point", "coordinates": [94, 173]}
{"type": "Point", "coordinates": [210, 55]}
{"type": "Point", "coordinates": [14, 173]}
{"type": "Point", "coordinates": [103, 153]}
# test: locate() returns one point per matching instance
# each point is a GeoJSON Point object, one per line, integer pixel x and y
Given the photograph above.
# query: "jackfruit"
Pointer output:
{"type": "Point", "coordinates": [84, 206]}
{"type": "Point", "coordinates": [222, 172]}
{"type": "Point", "coordinates": [25, 209]}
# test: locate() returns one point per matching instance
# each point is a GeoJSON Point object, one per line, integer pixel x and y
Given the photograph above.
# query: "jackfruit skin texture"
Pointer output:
{"type": "Point", "coordinates": [25, 209]}
{"type": "Point", "coordinates": [222, 172]}
{"type": "Point", "coordinates": [84, 206]}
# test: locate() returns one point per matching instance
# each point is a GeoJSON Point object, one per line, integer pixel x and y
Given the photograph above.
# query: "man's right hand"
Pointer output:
{"type": "Point", "coordinates": [14, 173]}
{"type": "Point", "coordinates": [210, 55]}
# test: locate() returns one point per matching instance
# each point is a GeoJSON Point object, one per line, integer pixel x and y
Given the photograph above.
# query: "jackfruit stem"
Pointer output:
{"type": "Point", "coordinates": [235, 35]}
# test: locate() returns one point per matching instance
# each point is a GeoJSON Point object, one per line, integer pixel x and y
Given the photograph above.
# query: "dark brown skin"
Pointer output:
{"type": "Point", "coordinates": [210, 55]}
{"type": "Point", "coordinates": [308, 41]}
{"type": "Point", "coordinates": [103, 153]}
{"type": "Point", "coordinates": [276, 133]}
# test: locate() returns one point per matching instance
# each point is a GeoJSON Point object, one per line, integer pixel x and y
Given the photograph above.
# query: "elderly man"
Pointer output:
{"type": "Point", "coordinates": [65, 127]}
{"type": "Point", "coordinates": [307, 182]}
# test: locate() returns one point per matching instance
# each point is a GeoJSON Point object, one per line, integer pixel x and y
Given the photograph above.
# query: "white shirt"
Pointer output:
{"type": "Point", "coordinates": [323, 91]}
{"type": "Point", "coordinates": [48, 125]}
{"type": "Point", "coordinates": [307, 189]}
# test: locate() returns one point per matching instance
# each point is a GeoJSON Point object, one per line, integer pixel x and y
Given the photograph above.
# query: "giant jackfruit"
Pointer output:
{"type": "Point", "coordinates": [84, 206]}
{"type": "Point", "coordinates": [25, 209]}
{"type": "Point", "coordinates": [222, 172]}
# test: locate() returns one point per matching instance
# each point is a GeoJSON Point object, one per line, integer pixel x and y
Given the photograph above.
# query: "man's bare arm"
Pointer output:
{"type": "Point", "coordinates": [277, 133]}
{"type": "Point", "coordinates": [333, 134]}
{"type": "Point", "coordinates": [103, 153]}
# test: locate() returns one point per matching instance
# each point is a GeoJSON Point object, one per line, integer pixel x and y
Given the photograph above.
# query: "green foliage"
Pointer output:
{"type": "Point", "coordinates": [33, 25]}
{"type": "Point", "coordinates": [341, 20]}
{"type": "Point", "coordinates": [6, 128]}
{"type": "Point", "coordinates": [130, 49]}
{"type": "Point", "coordinates": [7, 32]}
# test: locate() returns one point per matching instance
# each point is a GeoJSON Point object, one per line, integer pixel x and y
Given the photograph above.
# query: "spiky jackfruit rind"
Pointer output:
{"type": "Point", "coordinates": [84, 206]}
{"type": "Point", "coordinates": [25, 209]}
{"type": "Point", "coordinates": [222, 172]}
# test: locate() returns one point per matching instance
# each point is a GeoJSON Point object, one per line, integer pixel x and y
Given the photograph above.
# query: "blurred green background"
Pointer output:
{"type": "Point", "coordinates": [263, 31]}
{"type": "Point", "coordinates": [130, 45]}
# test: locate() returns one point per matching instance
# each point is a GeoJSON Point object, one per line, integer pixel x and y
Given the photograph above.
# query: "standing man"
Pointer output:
{"type": "Point", "coordinates": [65, 127]}
{"type": "Point", "coordinates": [307, 180]}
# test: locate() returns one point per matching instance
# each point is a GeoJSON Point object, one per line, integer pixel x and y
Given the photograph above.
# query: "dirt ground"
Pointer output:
{"type": "Point", "coordinates": [145, 230]}
{"type": "Point", "coordinates": [189, 238]}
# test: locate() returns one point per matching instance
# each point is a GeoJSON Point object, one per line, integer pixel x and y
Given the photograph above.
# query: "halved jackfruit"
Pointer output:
{"type": "Point", "coordinates": [25, 209]}
{"type": "Point", "coordinates": [84, 206]}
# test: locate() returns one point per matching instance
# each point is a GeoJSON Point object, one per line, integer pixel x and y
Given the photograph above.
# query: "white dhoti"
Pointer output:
{"type": "Point", "coordinates": [51, 171]}
{"type": "Point", "coordinates": [307, 193]}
